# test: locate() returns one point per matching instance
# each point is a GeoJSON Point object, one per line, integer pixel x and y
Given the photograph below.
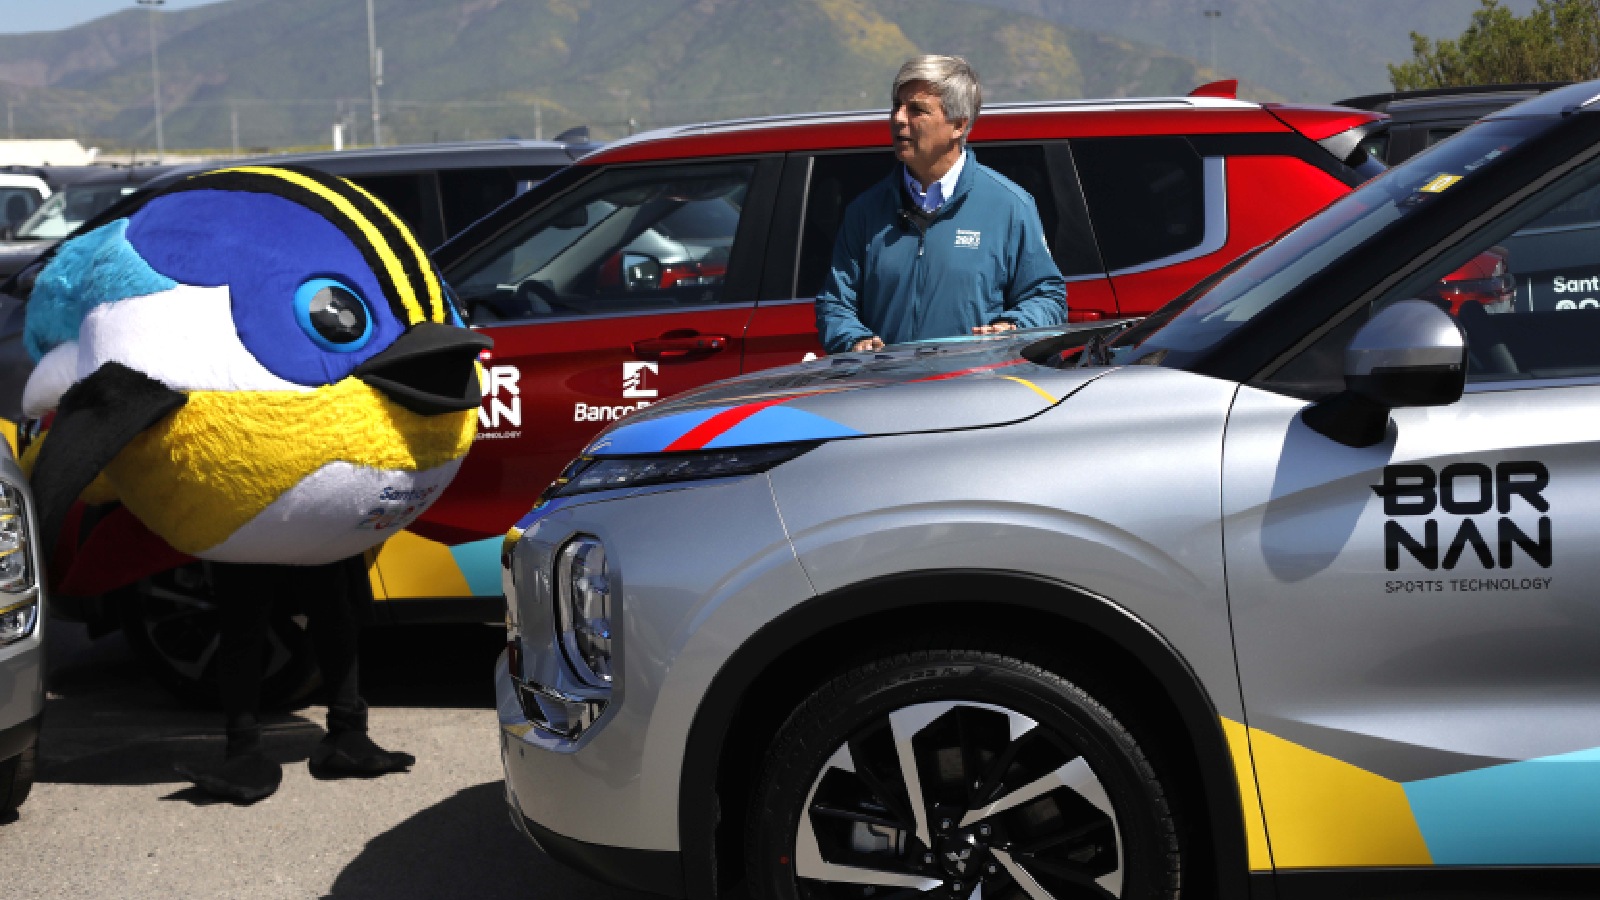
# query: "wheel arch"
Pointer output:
{"type": "Point", "coordinates": [805, 646]}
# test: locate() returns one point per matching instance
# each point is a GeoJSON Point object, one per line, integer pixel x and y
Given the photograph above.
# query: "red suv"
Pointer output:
{"type": "Point", "coordinates": [691, 254]}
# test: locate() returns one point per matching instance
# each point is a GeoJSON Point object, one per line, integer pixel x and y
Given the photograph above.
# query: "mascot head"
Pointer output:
{"type": "Point", "coordinates": [260, 363]}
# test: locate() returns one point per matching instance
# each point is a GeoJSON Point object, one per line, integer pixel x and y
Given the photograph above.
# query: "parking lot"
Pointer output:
{"type": "Point", "coordinates": [110, 818]}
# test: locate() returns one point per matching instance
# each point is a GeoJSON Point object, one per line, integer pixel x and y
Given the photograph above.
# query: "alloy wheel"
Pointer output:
{"type": "Point", "coordinates": [958, 799]}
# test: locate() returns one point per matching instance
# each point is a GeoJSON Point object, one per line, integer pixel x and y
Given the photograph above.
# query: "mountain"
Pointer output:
{"type": "Point", "coordinates": [1307, 50]}
{"type": "Point", "coordinates": [281, 72]}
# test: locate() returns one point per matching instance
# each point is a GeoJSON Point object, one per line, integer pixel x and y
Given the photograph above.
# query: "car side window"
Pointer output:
{"type": "Point", "coordinates": [16, 204]}
{"type": "Point", "coordinates": [838, 178]}
{"type": "Point", "coordinates": [1526, 294]}
{"type": "Point", "coordinates": [1146, 197]}
{"type": "Point", "coordinates": [628, 239]}
{"type": "Point", "coordinates": [468, 195]}
{"type": "Point", "coordinates": [408, 196]}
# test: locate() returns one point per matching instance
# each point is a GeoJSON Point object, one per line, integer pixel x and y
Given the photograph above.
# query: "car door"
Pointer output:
{"type": "Point", "coordinates": [634, 285]}
{"type": "Point", "coordinates": [1416, 621]}
{"type": "Point", "coordinates": [817, 187]}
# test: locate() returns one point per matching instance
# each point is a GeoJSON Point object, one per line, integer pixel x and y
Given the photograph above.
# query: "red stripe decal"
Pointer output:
{"type": "Point", "coordinates": [709, 430]}
{"type": "Point", "coordinates": [972, 371]}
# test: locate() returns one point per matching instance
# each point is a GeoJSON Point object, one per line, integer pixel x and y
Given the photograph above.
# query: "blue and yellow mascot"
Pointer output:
{"type": "Point", "coordinates": [251, 368]}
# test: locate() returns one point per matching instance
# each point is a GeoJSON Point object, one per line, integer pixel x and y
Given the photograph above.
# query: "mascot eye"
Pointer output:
{"type": "Point", "coordinates": [332, 315]}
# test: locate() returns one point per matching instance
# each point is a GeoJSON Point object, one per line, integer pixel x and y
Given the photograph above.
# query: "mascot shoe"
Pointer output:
{"type": "Point", "coordinates": [260, 363]}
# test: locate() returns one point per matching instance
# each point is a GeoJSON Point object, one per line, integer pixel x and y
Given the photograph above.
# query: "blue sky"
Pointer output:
{"type": "Point", "coordinates": [53, 15]}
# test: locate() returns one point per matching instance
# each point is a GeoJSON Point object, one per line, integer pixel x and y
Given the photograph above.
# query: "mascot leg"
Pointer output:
{"type": "Point", "coordinates": [245, 595]}
{"type": "Point", "coordinates": [346, 750]}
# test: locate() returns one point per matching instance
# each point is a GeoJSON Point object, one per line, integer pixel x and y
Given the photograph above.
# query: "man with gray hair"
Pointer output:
{"type": "Point", "coordinates": [944, 246]}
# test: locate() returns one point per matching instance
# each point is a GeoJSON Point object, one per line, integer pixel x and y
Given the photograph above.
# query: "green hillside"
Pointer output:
{"type": "Point", "coordinates": [1307, 50]}
{"type": "Point", "coordinates": [286, 70]}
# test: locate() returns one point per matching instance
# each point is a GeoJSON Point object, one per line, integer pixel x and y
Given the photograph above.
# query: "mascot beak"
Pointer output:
{"type": "Point", "coordinates": [429, 369]}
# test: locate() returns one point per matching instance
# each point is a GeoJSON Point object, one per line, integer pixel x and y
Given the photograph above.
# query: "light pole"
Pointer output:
{"type": "Point", "coordinates": [1212, 15]}
{"type": "Point", "coordinates": [375, 67]}
{"type": "Point", "coordinates": [155, 77]}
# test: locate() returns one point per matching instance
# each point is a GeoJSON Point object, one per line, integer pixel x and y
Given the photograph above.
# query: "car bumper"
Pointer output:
{"type": "Point", "coordinates": [606, 800]}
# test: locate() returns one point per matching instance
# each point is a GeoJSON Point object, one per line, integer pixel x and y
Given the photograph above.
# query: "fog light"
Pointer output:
{"type": "Point", "coordinates": [584, 609]}
{"type": "Point", "coordinates": [16, 622]}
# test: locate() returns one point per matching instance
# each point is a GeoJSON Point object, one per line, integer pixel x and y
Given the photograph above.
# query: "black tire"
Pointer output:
{"type": "Point", "coordinates": [171, 623]}
{"type": "Point", "coordinates": [1098, 826]}
{"type": "Point", "coordinates": [16, 779]}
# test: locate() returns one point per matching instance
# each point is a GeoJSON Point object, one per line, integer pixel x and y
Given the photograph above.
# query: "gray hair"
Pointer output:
{"type": "Point", "coordinates": [952, 79]}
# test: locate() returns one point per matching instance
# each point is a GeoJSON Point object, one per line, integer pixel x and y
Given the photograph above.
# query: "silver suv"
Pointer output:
{"type": "Point", "coordinates": [1289, 587]}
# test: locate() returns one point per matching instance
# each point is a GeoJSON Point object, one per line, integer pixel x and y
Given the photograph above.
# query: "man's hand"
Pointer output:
{"type": "Point", "coordinates": [867, 345]}
{"type": "Point", "coordinates": [996, 328]}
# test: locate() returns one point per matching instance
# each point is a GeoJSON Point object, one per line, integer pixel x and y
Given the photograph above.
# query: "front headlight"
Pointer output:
{"type": "Point", "coordinates": [17, 617]}
{"type": "Point", "coordinates": [590, 473]}
{"type": "Point", "coordinates": [584, 609]}
{"type": "Point", "coordinates": [16, 575]}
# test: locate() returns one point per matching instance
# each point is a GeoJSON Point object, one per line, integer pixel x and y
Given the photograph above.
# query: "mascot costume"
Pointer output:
{"type": "Point", "coordinates": [247, 368]}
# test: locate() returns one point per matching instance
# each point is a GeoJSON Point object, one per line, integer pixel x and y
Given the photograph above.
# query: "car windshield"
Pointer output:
{"type": "Point", "coordinates": [1201, 318]}
{"type": "Point", "coordinates": [65, 211]}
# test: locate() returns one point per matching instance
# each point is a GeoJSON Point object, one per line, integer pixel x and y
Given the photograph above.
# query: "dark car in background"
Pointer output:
{"type": "Point", "coordinates": [80, 193]}
{"type": "Point", "coordinates": [1419, 119]}
{"type": "Point", "coordinates": [438, 189]}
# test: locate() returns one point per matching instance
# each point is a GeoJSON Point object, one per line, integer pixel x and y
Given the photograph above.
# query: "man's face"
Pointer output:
{"type": "Point", "coordinates": [922, 134]}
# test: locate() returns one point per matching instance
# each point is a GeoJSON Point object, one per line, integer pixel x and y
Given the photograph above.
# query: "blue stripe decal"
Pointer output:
{"type": "Point", "coordinates": [780, 424]}
{"type": "Point", "coordinates": [651, 435]}
{"type": "Point", "coordinates": [479, 561]}
{"type": "Point", "coordinates": [1540, 811]}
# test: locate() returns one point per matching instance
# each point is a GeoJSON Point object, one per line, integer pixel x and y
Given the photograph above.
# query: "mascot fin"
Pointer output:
{"type": "Point", "coordinates": [97, 417]}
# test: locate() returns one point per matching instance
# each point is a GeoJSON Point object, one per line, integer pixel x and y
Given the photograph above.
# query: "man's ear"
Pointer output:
{"type": "Point", "coordinates": [961, 126]}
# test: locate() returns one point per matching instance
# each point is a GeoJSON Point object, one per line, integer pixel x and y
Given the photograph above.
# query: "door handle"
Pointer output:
{"type": "Point", "coordinates": [678, 347]}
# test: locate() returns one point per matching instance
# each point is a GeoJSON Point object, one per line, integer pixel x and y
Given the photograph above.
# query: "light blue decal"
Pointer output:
{"type": "Point", "coordinates": [479, 561]}
{"type": "Point", "coordinates": [778, 425]}
{"type": "Point", "coordinates": [650, 435]}
{"type": "Point", "coordinates": [1540, 811]}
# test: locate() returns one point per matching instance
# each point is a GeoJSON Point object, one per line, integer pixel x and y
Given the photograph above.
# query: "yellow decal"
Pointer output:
{"type": "Point", "coordinates": [413, 566]}
{"type": "Point", "coordinates": [1439, 183]}
{"type": "Point", "coordinates": [1323, 812]}
{"type": "Point", "coordinates": [1032, 387]}
{"type": "Point", "coordinates": [1244, 770]}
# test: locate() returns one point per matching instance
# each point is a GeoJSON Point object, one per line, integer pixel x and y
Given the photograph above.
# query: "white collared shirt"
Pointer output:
{"type": "Point", "coordinates": [938, 192]}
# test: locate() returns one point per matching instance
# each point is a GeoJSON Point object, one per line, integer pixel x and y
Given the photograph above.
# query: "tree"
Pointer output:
{"type": "Point", "coordinates": [1559, 40]}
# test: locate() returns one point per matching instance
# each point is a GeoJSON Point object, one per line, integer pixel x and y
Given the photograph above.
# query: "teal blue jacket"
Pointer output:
{"type": "Point", "coordinates": [981, 259]}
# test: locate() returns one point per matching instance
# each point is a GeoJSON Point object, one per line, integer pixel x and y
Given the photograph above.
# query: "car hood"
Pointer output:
{"type": "Point", "coordinates": [934, 386]}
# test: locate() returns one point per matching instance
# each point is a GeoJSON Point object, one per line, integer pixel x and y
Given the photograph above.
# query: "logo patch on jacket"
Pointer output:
{"type": "Point", "coordinates": [968, 238]}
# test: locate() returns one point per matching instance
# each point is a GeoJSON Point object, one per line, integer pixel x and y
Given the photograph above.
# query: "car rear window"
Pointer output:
{"type": "Point", "coordinates": [1146, 197]}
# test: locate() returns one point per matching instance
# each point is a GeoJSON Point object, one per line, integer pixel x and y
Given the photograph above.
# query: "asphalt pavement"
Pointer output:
{"type": "Point", "coordinates": [109, 818]}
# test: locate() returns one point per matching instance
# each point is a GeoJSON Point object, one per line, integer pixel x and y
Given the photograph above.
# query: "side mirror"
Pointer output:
{"type": "Point", "coordinates": [640, 272]}
{"type": "Point", "coordinates": [1411, 353]}
{"type": "Point", "coordinates": [576, 217]}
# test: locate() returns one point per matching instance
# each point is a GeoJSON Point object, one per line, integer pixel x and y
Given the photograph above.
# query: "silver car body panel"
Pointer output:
{"type": "Point", "coordinates": [704, 567]}
{"type": "Point", "coordinates": [22, 663]}
{"type": "Point", "coordinates": [1452, 710]}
